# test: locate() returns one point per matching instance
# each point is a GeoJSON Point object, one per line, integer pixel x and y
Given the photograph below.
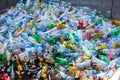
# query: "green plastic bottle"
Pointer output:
{"type": "Point", "coordinates": [50, 26]}
{"type": "Point", "coordinates": [61, 61]}
{"type": "Point", "coordinates": [72, 36]}
{"type": "Point", "coordinates": [52, 41]}
{"type": "Point", "coordinates": [35, 26]}
{"type": "Point", "coordinates": [4, 58]}
{"type": "Point", "coordinates": [98, 13]}
{"type": "Point", "coordinates": [99, 21]}
{"type": "Point", "coordinates": [104, 58]}
{"type": "Point", "coordinates": [116, 32]}
{"type": "Point", "coordinates": [37, 38]}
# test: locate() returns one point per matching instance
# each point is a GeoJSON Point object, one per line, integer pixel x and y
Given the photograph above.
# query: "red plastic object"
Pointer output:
{"type": "Point", "coordinates": [80, 23]}
{"type": "Point", "coordinates": [113, 21]}
{"type": "Point", "coordinates": [87, 37]}
{"type": "Point", "coordinates": [5, 76]}
{"type": "Point", "coordinates": [96, 30]}
{"type": "Point", "coordinates": [110, 57]}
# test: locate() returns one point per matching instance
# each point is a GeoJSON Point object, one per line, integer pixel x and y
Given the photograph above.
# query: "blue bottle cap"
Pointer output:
{"type": "Point", "coordinates": [61, 18]}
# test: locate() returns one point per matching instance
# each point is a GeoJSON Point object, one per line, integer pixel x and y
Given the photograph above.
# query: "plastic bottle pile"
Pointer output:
{"type": "Point", "coordinates": [48, 41]}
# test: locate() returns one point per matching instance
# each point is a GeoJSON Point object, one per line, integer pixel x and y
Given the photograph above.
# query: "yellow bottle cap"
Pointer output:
{"type": "Point", "coordinates": [73, 47]}
{"type": "Point", "coordinates": [41, 59]}
{"type": "Point", "coordinates": [20, 68]}
{"type": "Point", "coordinates": [44, 75]}
{"type": "Point", "coordinates": [32, 21]}
{"type": "Point", "coordinates": [72, 68]}
{"type": "Point", "coordinates": [102, 47]}
{"type": "Point", "coordinates": [65, 43]}
{"type": "Point", "coordinates": [45, 68]}
{"type": "Point", "coordinates": [73, 17]}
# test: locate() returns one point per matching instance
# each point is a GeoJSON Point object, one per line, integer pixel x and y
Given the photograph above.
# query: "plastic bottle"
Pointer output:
{"type": "Point", "coordinates": [52, 41]}
{"type": "Point", "coordinates": [12, 73]}
{"type": "Point", "coordinates": [104, 58]}
{"type": "Point", "coordinates": [84, 64]}
{"type": "Point", "coordinates": [98, 62]}
{"type": "Point", "coordinates": [115, 45]}
{"type": "Point", "coordinates": [87, 37]}
{"type": "Point", "coordinates": [80, 23]}
{"type": "Point", "coordinates": [37, 38]}
{"type": "Point", "coordinates": [62, 61]}
{"type": "Point", "coordinates": [90, 26]}
{"type": "Point", "coordinates": [118, 62]}
{"type": "Point", "coordinates": [115, 32]}
{"type": "Point", "coordinates": [116, 22]}
{"type": "Point", "coordinates": [116, 75]}
{"type": "Point", "coordinates": [98, 35]}
{"type": "Point", "coordinates": [28, 2]}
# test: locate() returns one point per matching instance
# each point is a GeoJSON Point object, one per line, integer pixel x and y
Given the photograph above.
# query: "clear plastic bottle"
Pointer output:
{"type": "Point", "coordinates": [84, 64]}
{"type": "Point", "coordinates": [99, 62]}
